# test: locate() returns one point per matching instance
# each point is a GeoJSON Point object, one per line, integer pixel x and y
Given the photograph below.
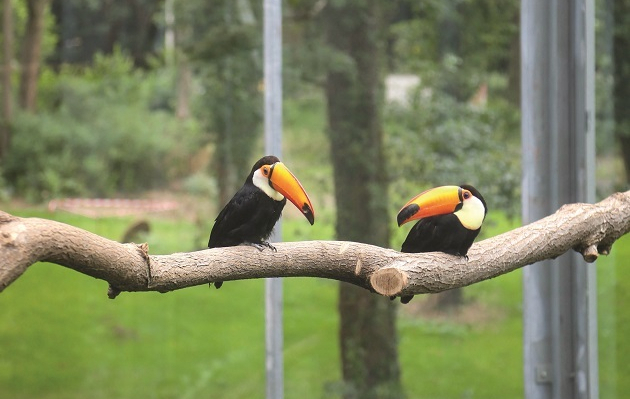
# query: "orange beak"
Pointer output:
{"type": "Point", "coordinates": [283, 181]}
{"type": "Point", "coordinates": [433, 202]}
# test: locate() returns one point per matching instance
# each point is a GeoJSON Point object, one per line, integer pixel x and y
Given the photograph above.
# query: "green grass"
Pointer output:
{"type": "Point", "coordinates": [62, 338]}
{"type": "Point", "coordinates": [613, 275]}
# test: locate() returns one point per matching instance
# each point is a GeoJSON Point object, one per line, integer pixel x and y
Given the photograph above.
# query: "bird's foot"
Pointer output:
{"type": "Point", "coordinates": [262, 245]}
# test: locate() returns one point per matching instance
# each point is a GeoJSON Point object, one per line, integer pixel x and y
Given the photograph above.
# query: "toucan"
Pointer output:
{"type": "Point", "coordinates": [450, 218]}
{"type": "Point", "coordinates": [249, 217]}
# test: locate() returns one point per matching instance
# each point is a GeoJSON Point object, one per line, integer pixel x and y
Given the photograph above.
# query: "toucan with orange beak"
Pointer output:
{"type": "Point", "coordinates": [449, 220]}
{"type": "Point", "coordinates": [249, 217]}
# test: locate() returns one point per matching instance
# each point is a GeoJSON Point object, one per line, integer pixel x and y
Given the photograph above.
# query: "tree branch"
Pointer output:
{"type": "Point", "coordinates": [589, 229]}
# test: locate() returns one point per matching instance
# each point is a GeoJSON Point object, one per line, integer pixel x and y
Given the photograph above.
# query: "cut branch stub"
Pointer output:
{"type": "Point", "coordinates": [389, 281]}
{"type": "Point", "coordinates": [590, 253]}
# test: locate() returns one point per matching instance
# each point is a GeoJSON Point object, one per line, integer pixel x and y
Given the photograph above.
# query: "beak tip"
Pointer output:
{"type": "Point", "coordinates": [400, 220]}
{"type": "Point", "coordinates": [310, 218]}
{"type": "Point", "coordinates": [406, 214]}
{"type": "Point", "coordinates": [308, 214]}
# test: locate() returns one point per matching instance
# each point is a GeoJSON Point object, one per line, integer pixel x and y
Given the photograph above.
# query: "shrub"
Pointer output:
{"type": "Point", "coordinates": [439, 140]}
{"type": "Point", "coordinates": [98, 133]}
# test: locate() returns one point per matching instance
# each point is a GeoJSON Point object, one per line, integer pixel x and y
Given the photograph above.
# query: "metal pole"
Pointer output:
{"type": "Point", "coordinates": [274, 362]}
{"type": "Point", "coordinates": [559, 312]}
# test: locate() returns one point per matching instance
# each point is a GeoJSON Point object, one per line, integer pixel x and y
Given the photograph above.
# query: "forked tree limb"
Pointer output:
{"type": "Point", "coordinates": [587, 228]}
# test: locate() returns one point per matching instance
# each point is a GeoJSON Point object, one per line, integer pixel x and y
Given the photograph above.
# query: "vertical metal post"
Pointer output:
{"type": "Point", "coordinates": [274, 362]}
{"type": "Point", "coordinates": [560, 320]}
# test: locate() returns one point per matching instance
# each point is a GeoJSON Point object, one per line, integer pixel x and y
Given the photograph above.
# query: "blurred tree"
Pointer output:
{"type": "Point", "coordinates": [479, 36]}
{"type": "Point", "coordinates": [222, 40]}
{"type": "Point", "coordinates": [368, 335]}
{"type": "Point", "coordinates": [621, 85]}
{"type": "Point", "coordinates": [32, 52]}
{"type": "Point", "coordinates": [7, 89]}
{"type": "Point", "coordinates": [87, 27]}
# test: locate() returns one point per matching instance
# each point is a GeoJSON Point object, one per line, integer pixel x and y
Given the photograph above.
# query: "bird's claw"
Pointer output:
{"type": "Point", "coordinates": [262, 245]}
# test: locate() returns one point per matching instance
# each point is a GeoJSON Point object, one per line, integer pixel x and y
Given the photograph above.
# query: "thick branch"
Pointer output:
{"type": "Point", "coordinates": [589, 229]}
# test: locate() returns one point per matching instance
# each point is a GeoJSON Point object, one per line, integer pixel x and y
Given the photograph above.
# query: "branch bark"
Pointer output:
{"type": "Point", "coordinates": [587, 228]}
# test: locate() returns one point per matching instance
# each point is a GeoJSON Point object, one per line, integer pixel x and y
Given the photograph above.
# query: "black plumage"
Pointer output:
{"type": "Point", "coordinates": [442, 233]}
{"type": "Point", "coordinates": [248, 217]}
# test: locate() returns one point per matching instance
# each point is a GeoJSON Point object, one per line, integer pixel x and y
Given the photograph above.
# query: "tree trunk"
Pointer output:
{"type": "Point", "coordinates": [184, 87]}
{"type": "Point", "coordinates": [31, 53]}
{"type": "Point", "coordinates": [621, 86]}
{"type": "Point", "coordinates": [368, 338]}
{"type": "Point", "coordinates": [7, 91]}
{"type": "Point", "coordinates": [447, 300]}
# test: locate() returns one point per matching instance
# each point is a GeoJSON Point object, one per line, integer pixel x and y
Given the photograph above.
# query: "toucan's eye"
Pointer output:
{"type": "Point", "coordinates": [467, 194]}
{"type": "Point", "coordinates": [265, 170]}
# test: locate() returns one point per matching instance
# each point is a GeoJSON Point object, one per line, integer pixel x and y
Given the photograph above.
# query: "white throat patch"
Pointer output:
{"type": "Point", "coordinates": [262, 182]}
{"type": "Point", "coordinates": [472, 213]}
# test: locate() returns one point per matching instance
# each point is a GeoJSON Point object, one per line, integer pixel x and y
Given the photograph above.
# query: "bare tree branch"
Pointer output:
{"type": "Point", "coordinates": [589, 229]}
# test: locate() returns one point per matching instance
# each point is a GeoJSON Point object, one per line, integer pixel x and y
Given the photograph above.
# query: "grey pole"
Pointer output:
{"type": "Point", "coordinates": [558, 141]}
{"type": "Point", "coordinates": [274, 362]}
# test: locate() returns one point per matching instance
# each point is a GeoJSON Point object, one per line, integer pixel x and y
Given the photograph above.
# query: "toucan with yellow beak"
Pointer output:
{"type": "Point", "coordinates": [249, 217]}
{"type": "Point", "coordinates": [449, 220]}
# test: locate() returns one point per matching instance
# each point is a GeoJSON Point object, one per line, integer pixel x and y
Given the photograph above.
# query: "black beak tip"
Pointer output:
{"type": "Point", "coordinates": [406, 213]}
{"type": "Point", "coordinates": [308, 213]}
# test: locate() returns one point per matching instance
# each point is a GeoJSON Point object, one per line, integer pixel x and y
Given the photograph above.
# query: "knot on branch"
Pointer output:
{"type": "Point", "coordinates": [389, 281]}
{"type": "Point", "coordinates": [144, 252]}
{"type": "Point", "coordinates": [589, 253]}
{"type": "Point", "coordinates": [6, 218]}
{"type": "Point", "coordinates": [623, 199]}
{"type": "Point", "coordinates": [569, 208]}
{"type": "Point", "coordinates": [9, 237]}
{"type": "Point", "coordinates": [590, 247]}
{"type": "Point", "coordinates": [113, 292]}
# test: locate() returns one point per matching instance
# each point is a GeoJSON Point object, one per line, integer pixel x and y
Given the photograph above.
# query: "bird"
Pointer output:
{"type": "Point", "coordinates": [450, 218]}
{"type": "Point", "coordinates": [249, 217]}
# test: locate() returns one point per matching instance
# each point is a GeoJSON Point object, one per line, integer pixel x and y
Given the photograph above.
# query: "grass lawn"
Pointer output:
{"type": "Point", "coordinates": [62, 338]}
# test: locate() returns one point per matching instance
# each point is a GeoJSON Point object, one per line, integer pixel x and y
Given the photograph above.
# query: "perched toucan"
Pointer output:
{"type": "Point", "coordinates": [450, 219]}
{"type": "Point", "coordinates": [249, 217]}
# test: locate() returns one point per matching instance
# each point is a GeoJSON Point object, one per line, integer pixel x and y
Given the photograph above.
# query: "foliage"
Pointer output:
{"type": "Point", "coordinates": [439, 140]}
{"type": "Point", "coordinates": [222, 42]}
{"type": "Point", "coordinates": [101, 130]}
{"type": "Point", "coordinates": [477, 31]}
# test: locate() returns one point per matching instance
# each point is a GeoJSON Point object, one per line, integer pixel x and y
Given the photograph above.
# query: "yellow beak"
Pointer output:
{"type": "Point", "coordinates": [433, 202]}
{"type": "Point", "coordinates": [282, 180]}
